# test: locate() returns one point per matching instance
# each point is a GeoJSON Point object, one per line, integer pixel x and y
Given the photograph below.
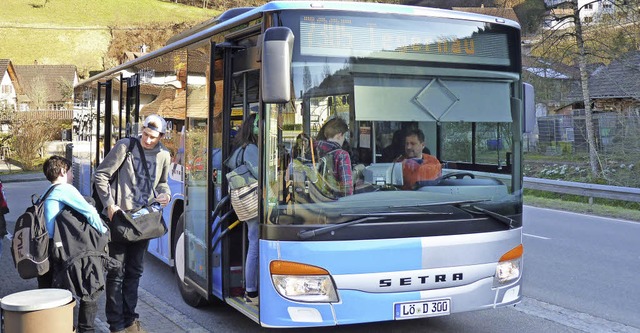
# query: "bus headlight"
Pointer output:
{"type": "Point", "coordinates": [303, 283]}
{"type": "Point", "coordinates": [509, 267]}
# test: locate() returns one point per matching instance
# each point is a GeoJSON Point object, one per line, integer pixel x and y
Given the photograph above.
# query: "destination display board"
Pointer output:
{"type": "Point", "coordinates": [405, 38]}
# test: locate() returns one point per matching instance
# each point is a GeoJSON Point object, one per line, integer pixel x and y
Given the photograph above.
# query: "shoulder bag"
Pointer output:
{"type": "Point", "coordinates": [243, 189]}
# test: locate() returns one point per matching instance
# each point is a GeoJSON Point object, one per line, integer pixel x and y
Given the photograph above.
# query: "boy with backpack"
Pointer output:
{"type": "Point", "coordinates": [62, 202]}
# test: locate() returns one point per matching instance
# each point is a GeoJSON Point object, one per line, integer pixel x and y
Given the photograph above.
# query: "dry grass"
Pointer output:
{"type": "Point", "coordinates": [80, 32]}
{"type": "Point", "coordinates": [593, 209]}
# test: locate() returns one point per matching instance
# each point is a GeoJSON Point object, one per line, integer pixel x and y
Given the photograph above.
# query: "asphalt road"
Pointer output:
{"type": "Point", "coordinates": [580, 276]}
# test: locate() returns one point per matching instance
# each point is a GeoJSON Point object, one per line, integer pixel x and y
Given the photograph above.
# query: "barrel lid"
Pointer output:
{"type": "Point", "coordinates": [37, 299]}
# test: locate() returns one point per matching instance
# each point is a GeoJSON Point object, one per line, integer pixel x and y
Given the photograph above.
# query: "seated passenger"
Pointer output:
{"type": "Point", "coordinates": [416, 165]}
{"type": "Point", "coordinates": [395, 150]}
{"type": "Point", "coordinates": [338, 162]}
{"type": "Point", "coordinates": [301, 149]}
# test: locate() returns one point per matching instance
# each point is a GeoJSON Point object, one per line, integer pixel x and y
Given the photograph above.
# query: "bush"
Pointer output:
{"type": "Point", "coordinates": [28, 139]}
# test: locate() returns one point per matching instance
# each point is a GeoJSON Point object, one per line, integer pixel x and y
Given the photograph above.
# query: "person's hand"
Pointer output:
{"type": "Point", "coordinates": [112, 210]}
{"type": "Point", "coordinates": [163, 199]}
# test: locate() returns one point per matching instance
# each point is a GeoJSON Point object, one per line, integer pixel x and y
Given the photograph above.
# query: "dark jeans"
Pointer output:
{"type": "Point", "coordinates": [122, 284]}
{"type": "Point", "coordinates": [3, 226]}
{"type": "Point", "coordinates": [84, 314]}
{"type": "Point", "coordinates": [87, 316]}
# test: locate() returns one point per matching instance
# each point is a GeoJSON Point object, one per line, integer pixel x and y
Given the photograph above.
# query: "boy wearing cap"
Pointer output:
{"type": "Point", "coordinates": [134, 190]}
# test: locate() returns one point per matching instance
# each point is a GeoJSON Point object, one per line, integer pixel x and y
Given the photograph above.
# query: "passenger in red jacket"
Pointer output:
{"type": "Point", "coordinates": [417, 166]}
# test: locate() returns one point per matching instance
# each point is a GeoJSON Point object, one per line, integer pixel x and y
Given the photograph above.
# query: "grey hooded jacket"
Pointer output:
{"type": "Point", "coordinates": [132, 186]}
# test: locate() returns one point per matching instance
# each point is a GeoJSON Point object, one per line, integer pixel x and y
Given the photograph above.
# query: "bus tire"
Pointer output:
{"type": "Point", "coordinates": [188, 293]}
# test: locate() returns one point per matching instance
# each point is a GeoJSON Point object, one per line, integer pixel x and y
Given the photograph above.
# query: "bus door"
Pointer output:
{"type": "Point", "coordinates": [243, 103]}
{"type": "Point", "coordinates": [191, 86]}
{"type": "Point", "coordinates": [241, 95]}
{"type": "Point", "coordinates": [132, 105]}
{"type": "Point", "coordinates": [105, 110]}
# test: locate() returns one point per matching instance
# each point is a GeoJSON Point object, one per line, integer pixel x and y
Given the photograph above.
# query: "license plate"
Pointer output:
{"type": "Point", "coordinates": [418, 309]}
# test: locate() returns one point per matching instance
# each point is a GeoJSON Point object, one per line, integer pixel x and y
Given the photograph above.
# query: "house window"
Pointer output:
{"type": "Point", "coordinates": [607, 5]}
{"type": "Point", "coordinates": [588, 6]}
{"type": "Point", "coordinates": [7, 89]}
{"type": "Point", "coordinates": [588, 19]}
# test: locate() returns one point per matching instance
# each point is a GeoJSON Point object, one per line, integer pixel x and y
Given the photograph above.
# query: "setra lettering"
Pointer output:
{"type": "Point", "coordinates": [420, 280]}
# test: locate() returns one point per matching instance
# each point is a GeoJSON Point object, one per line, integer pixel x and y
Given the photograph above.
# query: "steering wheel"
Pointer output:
{"type": "Point", "coordinates": [457, 175]}
{"type": "Point", "coordinates": [438, 181]}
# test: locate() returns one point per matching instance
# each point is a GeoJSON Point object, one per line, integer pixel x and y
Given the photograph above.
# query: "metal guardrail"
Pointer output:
{"type": "Point", "coordinates": [583, 189]}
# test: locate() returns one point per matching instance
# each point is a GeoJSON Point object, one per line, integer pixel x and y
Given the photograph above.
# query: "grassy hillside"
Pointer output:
{"type": "Point", "coordinates": [80, 32]}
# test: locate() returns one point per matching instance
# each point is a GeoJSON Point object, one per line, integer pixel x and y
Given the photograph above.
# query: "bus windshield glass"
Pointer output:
{"type": "Point", "coordinates": [395, 118]}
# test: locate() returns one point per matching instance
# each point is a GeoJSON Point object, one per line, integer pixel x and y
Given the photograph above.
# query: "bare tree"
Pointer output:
{"type": "Point", "coordinates": [65, 86]}
{"type": "Point", "coordinates": [39, 93]}
{"type": "Point", "coordinates": [571, 41]}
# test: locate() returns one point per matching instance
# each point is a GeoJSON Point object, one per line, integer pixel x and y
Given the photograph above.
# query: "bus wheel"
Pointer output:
{"type": "Point", "coordinates": [189, 294]}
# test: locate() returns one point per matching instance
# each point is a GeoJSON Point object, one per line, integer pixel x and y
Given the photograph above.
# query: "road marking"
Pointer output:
{"type": "Point", "coordinates": [574, 319]}
{"type": "Point", "coordinates": [612, 219]}
{"type": "Point", "coordinates": [535, 236]}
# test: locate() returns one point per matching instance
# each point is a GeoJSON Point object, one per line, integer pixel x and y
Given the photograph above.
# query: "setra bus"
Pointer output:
{"type": "Point", "coordinates": [389, 251]}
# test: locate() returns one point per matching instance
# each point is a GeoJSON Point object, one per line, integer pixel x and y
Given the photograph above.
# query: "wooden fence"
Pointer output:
{"type": "Point", "coordinates": [39, 115]}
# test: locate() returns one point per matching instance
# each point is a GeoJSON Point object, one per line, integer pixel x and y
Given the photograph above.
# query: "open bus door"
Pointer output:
{"type": "Point", "coordinates": [132, 105]}
{"type": "Point", "coordinates": [108, 105]}
{"type": "Point", "coordinates": [106, 119]}
{"type": "Point", "coordinates": [213, 262]}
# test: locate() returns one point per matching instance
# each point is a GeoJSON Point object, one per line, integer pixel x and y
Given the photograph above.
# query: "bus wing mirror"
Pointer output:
{"type": "Point", "coordinates": [529, 108]}
{"type": "Point", "coordinates": [277, 50]}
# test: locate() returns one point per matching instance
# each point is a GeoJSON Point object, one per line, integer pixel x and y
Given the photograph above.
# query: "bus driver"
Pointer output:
{"type": "Point", "coordinates": [416, 165]}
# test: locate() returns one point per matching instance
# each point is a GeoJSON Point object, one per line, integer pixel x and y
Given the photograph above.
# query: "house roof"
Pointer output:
{"type": "Point", "coordinates": [6, 66]}
{"type": "Point", "coordinates": [620, 79]}
{"type": "Point", "coordinates": [507, 13]}
{"type": "Point", "coordinates": [53, 76]}
{"type": "Point", "coordinates": [549, 69]}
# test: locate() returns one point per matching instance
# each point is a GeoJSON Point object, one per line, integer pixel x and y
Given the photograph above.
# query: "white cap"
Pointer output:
{"type": "Point", "coordinates": [156, 120]}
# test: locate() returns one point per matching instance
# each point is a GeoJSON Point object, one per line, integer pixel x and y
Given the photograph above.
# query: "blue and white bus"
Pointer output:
{"type": "Point", "coordinates": [387, 252]}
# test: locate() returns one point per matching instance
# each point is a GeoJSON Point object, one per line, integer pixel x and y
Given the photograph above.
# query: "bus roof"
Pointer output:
{"type": "Point", "coordinates": [384, 8]}
{"type": "Point", "coordinates": [232, 16]}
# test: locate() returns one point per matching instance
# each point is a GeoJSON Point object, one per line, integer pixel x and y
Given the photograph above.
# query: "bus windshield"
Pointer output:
{"type": "Point", "coordinates": [410, 123]}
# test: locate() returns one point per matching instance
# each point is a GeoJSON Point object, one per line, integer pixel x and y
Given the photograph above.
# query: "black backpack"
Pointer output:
{"type": "Point", "coordinates": [30, 244]}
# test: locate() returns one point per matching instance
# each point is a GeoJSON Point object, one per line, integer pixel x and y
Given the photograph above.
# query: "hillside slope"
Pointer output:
{"type": "Point", "coordinates": [80, 32]}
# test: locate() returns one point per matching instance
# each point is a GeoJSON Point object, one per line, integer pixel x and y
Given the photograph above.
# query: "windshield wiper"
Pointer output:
{"type": "Point", "coordinates": [395, 213]}
{"type": "Point", "coordinates": [456, 203]}
{"type": "Point", "coordinates": [496, 216]}
{"type": "Point", "coordinates": [306, 234]}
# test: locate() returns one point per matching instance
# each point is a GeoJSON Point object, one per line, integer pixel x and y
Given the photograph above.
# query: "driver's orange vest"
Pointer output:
{"type": "Point", "coordinates": [413, 171]}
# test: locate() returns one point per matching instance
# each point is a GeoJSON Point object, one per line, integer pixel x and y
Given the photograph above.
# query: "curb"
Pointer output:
{"type": "Point", "coordinates": [157, 316]}
{"type": "Point", "coordinates": [170, 313]}
{"type": "Point", "coordinates": [21, 177]}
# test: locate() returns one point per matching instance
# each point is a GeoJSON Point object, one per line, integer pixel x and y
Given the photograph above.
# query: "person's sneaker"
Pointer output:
{"type": "Point", "coordinates": [251, 300]}
{"type": "Point", "coordinates": [136, 327]}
